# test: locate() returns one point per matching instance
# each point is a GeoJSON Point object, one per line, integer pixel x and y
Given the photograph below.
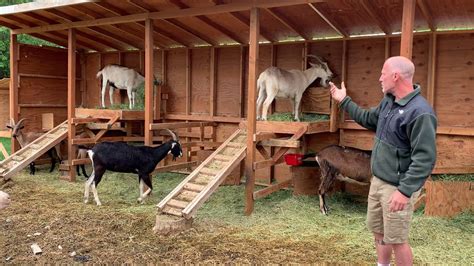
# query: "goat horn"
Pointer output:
{"type": "Point", "coordinates": [316, 57]}
{"type": "Point", "coordinates": [173, 135]}
{"type": "Point", "coordinates": [21, 121]}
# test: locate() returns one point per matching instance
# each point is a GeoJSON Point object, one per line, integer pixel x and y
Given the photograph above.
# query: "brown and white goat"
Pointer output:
{"type": "Point", "coordinates": [291, 84]}
{"type": "Point", "coordinates": [25, 138]}
{"type": "Point", "coordinates": [342, 163]}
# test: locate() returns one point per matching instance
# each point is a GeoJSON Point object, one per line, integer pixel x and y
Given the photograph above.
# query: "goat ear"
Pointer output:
{"type": "Point", "coordinates": [22, 127]}
{"type": "Point", "coordinates": [312, 65]}
{"type": "Point", "coordinates": [8, 126]}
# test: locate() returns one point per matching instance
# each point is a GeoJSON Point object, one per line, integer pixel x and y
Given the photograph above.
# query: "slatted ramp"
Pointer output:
{"type": "Point", "coordinates": [20, 159]}
{"type": "Point", "coordinates": [195, 189]}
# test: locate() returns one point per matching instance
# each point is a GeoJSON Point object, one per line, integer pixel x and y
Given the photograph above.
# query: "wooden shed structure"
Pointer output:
{"type": "Point", "coordinates": [209, 54]}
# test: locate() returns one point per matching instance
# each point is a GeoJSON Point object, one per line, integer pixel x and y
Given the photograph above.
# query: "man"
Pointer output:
{"type": "Point", "coordinates": [403, 155]}
{"type": "Point", "coordinates": [4, 200]}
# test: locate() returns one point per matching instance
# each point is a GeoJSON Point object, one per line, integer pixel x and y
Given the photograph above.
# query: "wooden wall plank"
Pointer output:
{"type": "Point", "coordinates": [200, 81]}
{"type": "Point", "coordinates": [228, 80]}
{"type": "Point", "coordinates": [175, 81]}
{"type": "Point", "coordinates": [455, 80]}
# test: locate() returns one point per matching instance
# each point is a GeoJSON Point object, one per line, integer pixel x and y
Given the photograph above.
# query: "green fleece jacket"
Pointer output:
{"type": "Point", "coordinates": [404, 151]}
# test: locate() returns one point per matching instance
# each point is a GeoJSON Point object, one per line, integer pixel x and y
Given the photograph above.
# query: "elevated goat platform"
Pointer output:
{"type": "Point", "coordinates": [123, 115]}
{"type": "Point", "coordinates": [20, 159]}
{"type": "Point", "coordinates": [281, 127]}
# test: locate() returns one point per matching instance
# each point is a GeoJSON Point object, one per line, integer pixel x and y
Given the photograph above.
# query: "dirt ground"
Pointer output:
{"type": "Point", "coordinates": [283, 229]}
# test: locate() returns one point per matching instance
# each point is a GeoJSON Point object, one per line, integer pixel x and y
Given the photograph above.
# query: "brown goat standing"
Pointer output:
{"type": "Point", "coordinates": [342, 163]}
{"type": "Point", "coordinates": [25, 138]}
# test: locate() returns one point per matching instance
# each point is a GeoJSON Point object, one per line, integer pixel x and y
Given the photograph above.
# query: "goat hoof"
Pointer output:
{"type": "Point", "coordinates": [99, 204]}
{"type": "Point", "coordinates": [140, 200]}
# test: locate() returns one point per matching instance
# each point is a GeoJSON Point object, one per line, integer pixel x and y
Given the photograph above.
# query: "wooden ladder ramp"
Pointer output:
{"type": "Point", "coordinates": [195, 189]}
{"type": "Point", "coordinates": [22, 158]}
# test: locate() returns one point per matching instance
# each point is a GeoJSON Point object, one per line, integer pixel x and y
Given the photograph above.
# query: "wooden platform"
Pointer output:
{"type": "Point", "coordinates": [109, 113]}
{"type": "Point", "coordinates": [290, 127]}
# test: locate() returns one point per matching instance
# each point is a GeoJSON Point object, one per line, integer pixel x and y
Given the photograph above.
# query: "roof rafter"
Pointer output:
{"type": "Point", "coordinates": [287, 23]}
{"type": "Point", "coordinates": [246, 22]}
{"type": "Point", "coordinates": [123, 28]}
{"type": "Point", "coordinates": [50, 35]}
{"type": "Point", "coordinates": [211, 23]}
{"type": "Point", "coordinates": [70, 18]}
{"type": "Point", "coordinates": [146, 7]}
{"type": "Point", "coordinates": [425, 11]}
{"type": "Point", "coordinates": [120, 12]}
{"type": "Point", "coordinates": [189, 12]}
{"type": "Point", "coordinates": [373, 14]}
{"type": "Point", "coordinates": [330, 20]}
{"type": "Point", "coordinates": [80, 32]}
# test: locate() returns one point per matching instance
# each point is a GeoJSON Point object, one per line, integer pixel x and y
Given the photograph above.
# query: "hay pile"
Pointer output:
{"type": "Point", "coordinates": [282, 229]}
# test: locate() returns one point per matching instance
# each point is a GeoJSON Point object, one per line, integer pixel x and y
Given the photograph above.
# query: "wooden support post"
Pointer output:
{"type": "Point", "coordinates": [387, 47]}
{"type": "Point", "coordinates": [242, 82]}
{"type": "Point", "coordinates": [148, 81]}
{"type": "Point", "coordinates": [71, 100]}
{"type": "Point", "coordinates": [408, 19]}
{"type": "Point", "coordinates": [212, 94]}
{"type": "Point", "coordinates": [14, 84]}
{"type": "Point", "coordinates": [251, 110]}
{"type": "Point", "coordinates": [432, 51]}
{"type": "Point", "coordinates": [188, 100]}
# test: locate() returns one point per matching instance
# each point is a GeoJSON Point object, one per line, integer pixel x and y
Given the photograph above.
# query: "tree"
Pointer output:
{"type": "Point", "coordinates": [5, 41]}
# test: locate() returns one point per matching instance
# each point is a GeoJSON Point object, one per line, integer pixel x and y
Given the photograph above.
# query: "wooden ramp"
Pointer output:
{"type": "Point", "coordinates": [20, 159]}
{"type": "Point", "coordinates": [193, 191]}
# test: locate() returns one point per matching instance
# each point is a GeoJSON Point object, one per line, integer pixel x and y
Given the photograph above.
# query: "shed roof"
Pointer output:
{"type": "Point", "coordinates": [119, 25]}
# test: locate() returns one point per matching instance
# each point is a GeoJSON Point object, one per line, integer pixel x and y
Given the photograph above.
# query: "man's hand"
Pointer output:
{"type": "Point", "coordinates": [336, 93]}
{"type": "Point", "coordinates": [397, 201]}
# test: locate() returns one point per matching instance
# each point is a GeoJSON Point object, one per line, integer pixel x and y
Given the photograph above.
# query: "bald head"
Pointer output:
{"type": "Point", "coordinates": [401, 65]}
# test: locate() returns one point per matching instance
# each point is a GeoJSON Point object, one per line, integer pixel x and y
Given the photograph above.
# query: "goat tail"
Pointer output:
{"type": "Point", "coordinates": [99, 74]}
{"type": "Point", "coordinates": [328, 174]}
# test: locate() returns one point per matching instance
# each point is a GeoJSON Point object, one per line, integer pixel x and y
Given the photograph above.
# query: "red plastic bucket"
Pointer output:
{"type": "Point", "coordinates": [294, 159]}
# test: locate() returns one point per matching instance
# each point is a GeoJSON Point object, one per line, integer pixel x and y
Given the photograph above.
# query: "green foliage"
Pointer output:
{"type": "Point", "coordinates": [22, 38]}
{"type": "Point", "coordinates": [305, 117]}
{"type": "Point", "coordinates": [449, 177]}
{"type": "Point", "coordinates": [6, 143]}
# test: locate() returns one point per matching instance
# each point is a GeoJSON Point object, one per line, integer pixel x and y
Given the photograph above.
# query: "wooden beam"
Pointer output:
{"type": "Point", "coordinates": [330, 20]}
{"type": "Point", "coordinates": [242, 82]}
{"type": "Point", "coordinates": [287, 23]}
{"type": "Point", "coordinates": [213, 82]}
{"type": "Point", "coordinates": [210, 23]}
{"type": "Point", "coordinates": [368, 6]}
{"type": "Point", "coordinates": [188, 12]}
{"type": "Point", "coordinates": [129, 32]}
{"type": "Point", "coordinates": [71, 99]}
{"type": "Point", "coordinates": [148, 81]}
{"type": "Point", "coordinates": [432, 55]}
{"type": "Point", "coordinates": [14, 85]}
{"type": "Point", "coordinates": [425, 11]}
{"type": "Point", "coordinates": [251, 109]}
{"type": "Point", "coordinates": [408, 20]}
{"type": "Point", "coordinates": [269, 190]}
{"type": "Point", "coordinates": [246, 22]}
{"type": "Point", "coordinates": [288, 143]}
{"type": "Point", "coordinates": [148, 8]}
{"type": "Point", "coordinates": [39, 5]}
{"type": "Point", "coordinates": [457, 131]}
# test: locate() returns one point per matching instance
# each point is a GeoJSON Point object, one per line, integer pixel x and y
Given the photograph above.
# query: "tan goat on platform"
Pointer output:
{"type": "Point", "coordinates": [291, 84]}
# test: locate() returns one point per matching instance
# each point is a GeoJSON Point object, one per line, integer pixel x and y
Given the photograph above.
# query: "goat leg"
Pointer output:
{"type": "Point", "coordinates": [322, 205]}
{"type": "Point", "coordinates": [32, 168]}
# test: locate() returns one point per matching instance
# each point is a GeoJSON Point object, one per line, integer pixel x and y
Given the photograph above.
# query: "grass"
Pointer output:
{"type": "Point", "coordinates": [281, 228]}
{"type": "Point", "coordinates": [306, 117]}
{"type": "Point", "coordinates": [450, 177]}
{"type": "Point", "coordinates": [7, 144]}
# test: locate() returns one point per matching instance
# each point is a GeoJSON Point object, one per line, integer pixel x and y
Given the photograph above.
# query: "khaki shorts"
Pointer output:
{"type": "Point", "coordinates": [393, 225]}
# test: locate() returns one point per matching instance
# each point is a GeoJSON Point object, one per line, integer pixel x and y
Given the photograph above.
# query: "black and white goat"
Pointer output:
{"type": "Point", "coordinates": [25, 138]}
{"type": "Point", "coordinates": [124, 158]}
{"type": "Point", "coordinates": [280, 83]}
{"type": "Point", "coordinates": [123, 78]}
{"type": "Point", "coordinates": [342, 163]}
